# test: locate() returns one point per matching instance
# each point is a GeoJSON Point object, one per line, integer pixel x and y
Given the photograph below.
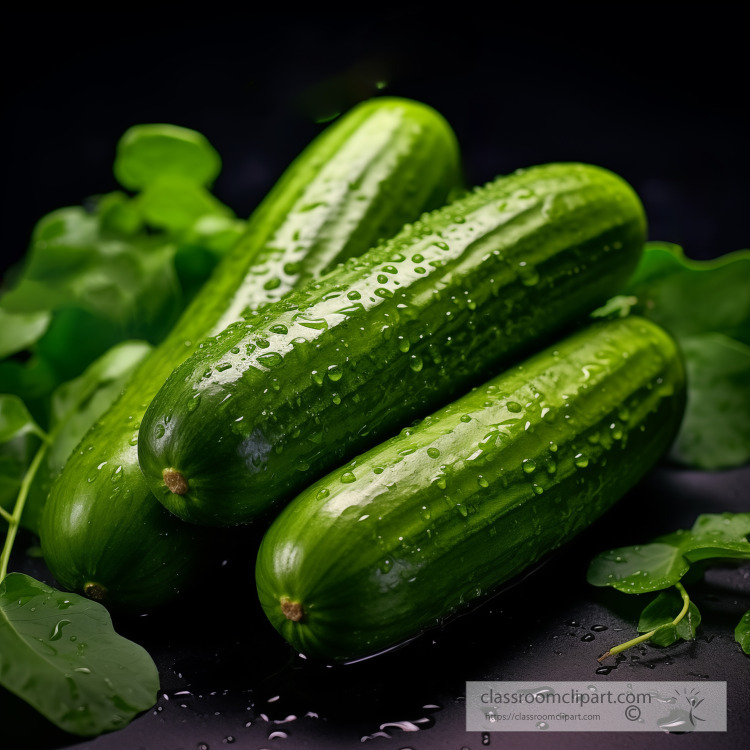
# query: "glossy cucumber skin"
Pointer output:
{"type": "Point", "coordinates": [378, 166]}
{"type": "Point", "coordinates": [265, 408]}
{"type": "Point", "coordinates": [446, 512]}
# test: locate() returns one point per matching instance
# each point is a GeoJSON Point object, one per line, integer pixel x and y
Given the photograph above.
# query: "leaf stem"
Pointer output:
{"type": "Point", "coordinates": [4, 514]}
{"type": "Point", "coordinates": [14, 520]}
{"type": "Point", "coordinates": [635, 641]}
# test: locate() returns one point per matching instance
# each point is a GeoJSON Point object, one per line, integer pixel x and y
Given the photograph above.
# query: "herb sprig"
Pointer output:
{"type": "Point", "coordinates": [662, 565]}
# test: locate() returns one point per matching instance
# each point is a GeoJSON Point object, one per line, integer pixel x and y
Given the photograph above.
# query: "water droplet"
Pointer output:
{"type": "Point", "coordinates": [194, 403]}
{"type": "Point", "coordinates": [416, 363]}
{"type": "Point", "coordinates": [403, 344]}
{"type": "Point", "coordinates": [57, 631]}
{"type": "Point", "coordinates": [581, 461]}
{"type": "Point", "coordinates": [465, 418]}
{"type": "Point", "coordinates": [528, 465]}
{"type": "Point", "coordinates": [322, 494]}
{"type": "Point", "coordinates": [279, 328]}
{"type": "Point", "coordinates": [223, 366]}
{"type": "Point", "coordinates": [433, 452]}
{"type": "Point", "coordinates": [603, 670]}
{"type": "Point", "coordinates": [159, 431]}
{"type": "Point", "coordinates": [528, 274]}
{"type": "Point", "coordinates": [462, 509]}
{"type": "Point", "coordinates": [334, 373]}
{"type": "Point", "coordinates": [270, 359]}
{"type": "Point", "coordinates": [386, 565]}
{"type": "Point", "coordinates": [513, 406]}
{"type": "Point", "coordinates": [347, 477]}
{"type": "Point", "coordinates": [588, 637]}
{"type": "Point", "coordinates": [599, 628]}
{"type": "Point", "coordinates": [317, 377]}
{"type": "Point", "coordinates": [483, 481]}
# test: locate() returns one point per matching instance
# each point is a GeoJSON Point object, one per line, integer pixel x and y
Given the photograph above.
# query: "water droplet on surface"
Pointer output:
{"type": "Point", "coordinates": [159, 431]}
{"type": "Point", "coordinates": [581, 461]}
{"type": "Point", "coordinates": [588, 637]}
{"type": "Point", "coordinates": [433, 452]}
{"type": "Point", "coordinates": [513, 406]}
{"type": "Point", "coordinates": [57, 630]}
{"type": "Point", "coordinates": [347, 477]}
{"type": "Point", "coordinates": [334, 373]}
{"type": "Point", "coordinates": [529, 466]}
{"type": "Point", "coordinates": [416, 363]}
{"type": "Point", "coordinates": [483, 481]}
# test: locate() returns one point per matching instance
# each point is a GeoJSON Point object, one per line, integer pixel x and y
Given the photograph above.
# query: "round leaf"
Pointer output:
{"type": "Point", "coordinates": [60, 654]}
{"type": "Point", "coordinates": [146, 153]}
{"type": "Point", "coordinates": [638, 569]}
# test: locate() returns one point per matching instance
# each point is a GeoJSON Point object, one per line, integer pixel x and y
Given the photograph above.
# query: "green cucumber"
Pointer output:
{"type": "Point", "coordinates": [378, 166]}
{"type": "Point", "coordinates": [269, 405]}
{"type": "Point", "coordinates": [446, 512]}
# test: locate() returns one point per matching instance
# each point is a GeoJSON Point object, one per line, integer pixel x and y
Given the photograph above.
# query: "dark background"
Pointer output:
{"type": "Point", "coordinates": [656, 94]}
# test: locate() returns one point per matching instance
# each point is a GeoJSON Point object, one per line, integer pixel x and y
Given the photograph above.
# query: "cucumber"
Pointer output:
{"type": "Point", "coordinates": [269, 405]}
{"type": "Point", "coordinates": [380, 165]}
{"type": "Point", "coordinates": [446, 512]}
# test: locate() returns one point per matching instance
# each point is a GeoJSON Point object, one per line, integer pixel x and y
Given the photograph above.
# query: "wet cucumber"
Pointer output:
{"type": "Point", "coordinates": [381, 164]}
{"type": "Point", "coordinates": [268, 406]}
{"type": "Point", "coordinates": [446, 512]}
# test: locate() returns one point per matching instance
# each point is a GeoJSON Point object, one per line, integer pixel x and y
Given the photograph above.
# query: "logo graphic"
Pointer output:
{"type": "Point", "coordinates": [681, 719]}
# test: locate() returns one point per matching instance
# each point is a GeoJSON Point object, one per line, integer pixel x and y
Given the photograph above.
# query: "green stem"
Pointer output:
{"type": "Point", "coordinates": [15, 519]}
{"type": "Point", "coordinates": [4, 514]}
{"type": "Point", "coordinates": [629, 644]}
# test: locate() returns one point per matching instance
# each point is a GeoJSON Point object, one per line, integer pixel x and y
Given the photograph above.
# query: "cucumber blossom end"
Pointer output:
{"type": "Point", "coordinates": [175, 481]}
{"type": "Point", "coordinates": [292, 610]}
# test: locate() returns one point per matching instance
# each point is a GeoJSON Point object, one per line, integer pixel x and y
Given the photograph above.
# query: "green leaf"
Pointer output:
{"type": "Point", "coordinates": [118, 214]}
{"type": "Point", "coordinates": [146, 153]}
{"type": "Point", "coordinates": [15, 419]}
{"type": "Point", "coordinates": [715, 431]}
{"type": "Point", "coordinates": [718, 536]}
{"type": "Point", "coordinates": [691, 297]}
{"type": "Point", "coordinates": [18, 331]}
{"type": "Point", "coordinates": [127, 284]}
{"type": "Point", "coordinates": [60, 654]}
{"type": "Point", "coordinates": [706, 306]}
{"type": "Point", "coordinates": [217, 233]}
{"type": "Point", "coordinates": [742, 632]}
{"type": "Point", "coordinates": [663, 610]}
{"type": "Point", "coordinates": [638, 569]}
{"type": "Point", "coordinates": [175, 204]}
{"type": "Point", "coordinates": [730, 526]}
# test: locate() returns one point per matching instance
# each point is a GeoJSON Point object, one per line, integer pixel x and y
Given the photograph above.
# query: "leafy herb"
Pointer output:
{"type": "Point", "coordinates": [60, 653]}
{"type": "Point", "coordinates": [662, 565]}
{"type": "Point", "coordinates": [95, 276]}
{"type": "Point", "coordinates": [715, 339]}
{"type": "Point", "coordinates": [120, 267]}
